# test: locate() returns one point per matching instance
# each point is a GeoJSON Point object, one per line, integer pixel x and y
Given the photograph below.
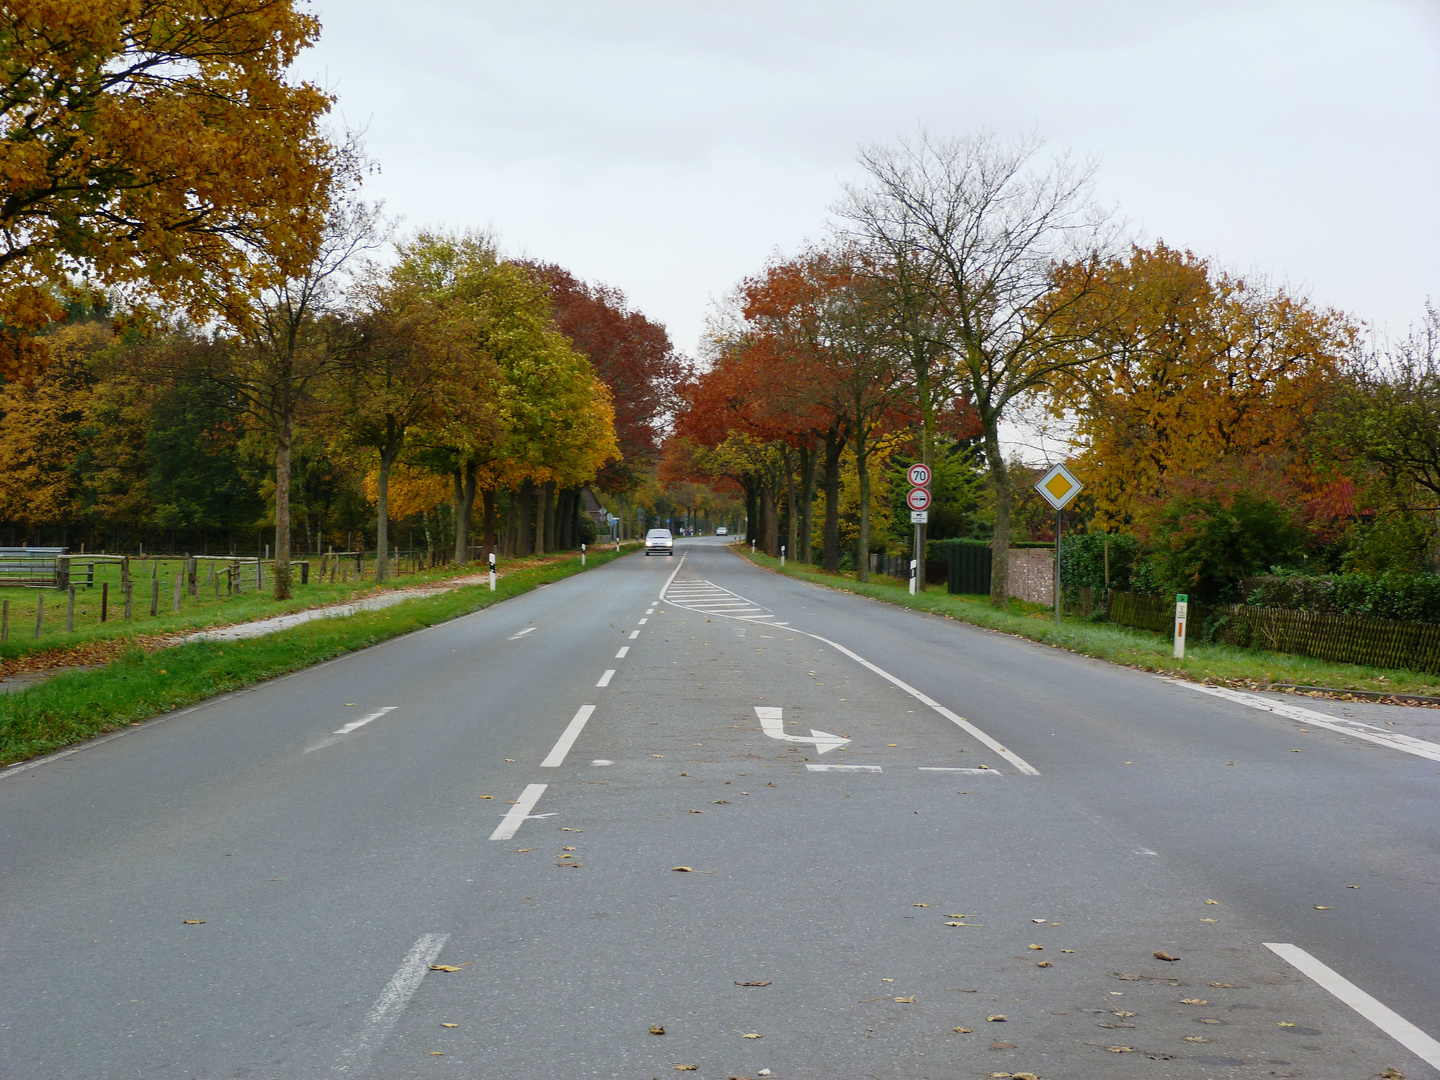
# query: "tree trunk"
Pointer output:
{"type": "Point", "coordinates": [1000, 545]}
{"type": "Point", "coordinates": [772, 520]}
{"type": "Point", "coordinates": [792, 524]}
{"type": "Point", "coordinates": [464, 478]}
{"type": "Point", "coordinates": [524, 544]}
{"type": "Point", "coordinates": [752, 511]}
{"type": "Point", "coordinates": [487, 510]}
{"type": "Point", "coordinates": [834, 444]}
{"type": "Point", "coordinates": [284, 437]}
{"type": "Point", "coordinates": [509, 549]}
{"type": "Point", "coordinates": [862, 542]}
{"type": "Point", "coordinates": [545, 520]}
{"type": "Point", "coordinates": [382, 517]}
{"type": "Point", "coordinates": [807, 502]}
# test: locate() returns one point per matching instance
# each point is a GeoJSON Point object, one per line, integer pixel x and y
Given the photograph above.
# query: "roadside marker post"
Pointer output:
{"type": "Point", "coordinates": [1182, 607]}
{"type": "Point", "coordinates": [492, 571]}
{"type": "Point", "coordinates": [1058, 487]}
{"type": "Point", "coordinates": [582, 554]}
{"type": "Point", "coordinates": [782, 556]}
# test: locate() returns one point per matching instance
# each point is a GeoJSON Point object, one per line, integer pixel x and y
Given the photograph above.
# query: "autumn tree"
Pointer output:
{"type": "Point", "coordinates": [286, 340]}
{"type": "Point", "coordinates": [987, 229]}
{"type": "Point", "coordinates": [1180, 368]}
{"type": "Point", "coordinates": [154, 144]}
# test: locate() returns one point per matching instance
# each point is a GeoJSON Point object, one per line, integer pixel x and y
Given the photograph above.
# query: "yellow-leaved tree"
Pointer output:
{"type": "Point", "coordinates": [155, 144]}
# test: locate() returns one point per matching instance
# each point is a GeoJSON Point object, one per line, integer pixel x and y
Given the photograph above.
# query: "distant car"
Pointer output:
{"type": "Point", "coordinates": [659, 542]}
{"type": "Point", "coordinates": [722, 531]}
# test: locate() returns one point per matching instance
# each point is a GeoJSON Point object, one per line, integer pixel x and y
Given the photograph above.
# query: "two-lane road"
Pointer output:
{"type": "Point", "coordinates": [616, 803]}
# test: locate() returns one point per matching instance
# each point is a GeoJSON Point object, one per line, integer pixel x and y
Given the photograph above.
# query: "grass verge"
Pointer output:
{"type": "Point", "coordinates": [1252, 669]}
{"type": "Point", "coordinates": [78, 705]}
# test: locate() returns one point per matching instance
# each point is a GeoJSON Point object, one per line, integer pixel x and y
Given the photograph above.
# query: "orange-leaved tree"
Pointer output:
{"type": "Point", "coordinates": [156, 144]}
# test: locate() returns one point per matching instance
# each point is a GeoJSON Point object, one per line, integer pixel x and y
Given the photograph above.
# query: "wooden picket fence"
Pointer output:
{"type": "Point", "coordinates": [1341, 639]}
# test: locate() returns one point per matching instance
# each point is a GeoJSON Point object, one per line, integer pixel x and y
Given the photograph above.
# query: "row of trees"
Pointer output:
{"type": "Point", "coordinates": [193, 337]}
{"type": "Point", "coordinates": [970, 283]}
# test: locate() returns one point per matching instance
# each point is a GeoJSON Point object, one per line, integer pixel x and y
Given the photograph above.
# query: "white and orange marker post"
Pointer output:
{"type": "Point", "coordinates": [1182, 607]}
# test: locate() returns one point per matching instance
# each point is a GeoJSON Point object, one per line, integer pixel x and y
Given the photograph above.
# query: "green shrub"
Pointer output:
{"type": "Point", "coordinates": [1391, 595]}
{"type": "Point", "coordinates": [1082, 562]}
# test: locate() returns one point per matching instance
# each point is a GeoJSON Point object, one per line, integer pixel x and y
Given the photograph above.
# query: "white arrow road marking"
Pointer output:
{"type": "Point", "coordinates": [1379, 1014]}
{"type": "Point", "coordinates": [773, 723]}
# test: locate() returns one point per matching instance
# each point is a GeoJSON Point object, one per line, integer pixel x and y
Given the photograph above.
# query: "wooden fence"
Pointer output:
{"type": "Point", "coordinates": [1341, 639]}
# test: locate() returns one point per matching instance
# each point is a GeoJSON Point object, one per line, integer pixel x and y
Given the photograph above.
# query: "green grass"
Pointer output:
{"type": "Point", "coordinates": [1253, 668]}
{"type": "Point", "coordinates": [196, 612]}
{"type": "Point", "coordinates": [78, 705]}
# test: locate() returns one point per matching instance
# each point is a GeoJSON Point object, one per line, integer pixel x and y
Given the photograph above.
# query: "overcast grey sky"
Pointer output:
{"type": "Point", "coordinates": [669, 147]}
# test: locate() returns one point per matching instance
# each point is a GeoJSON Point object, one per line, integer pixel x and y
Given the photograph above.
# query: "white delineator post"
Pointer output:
{"type": "Point", "coordinates": [782, 556]}
{"type": "Point", "coordinates": [492, 571]}
{"type": "Point", "coordinates": [914, 562]}
{"type": "Point", "coordinates": [1182, 606]}
{"type": "Point", "coordinates": [582, 554]}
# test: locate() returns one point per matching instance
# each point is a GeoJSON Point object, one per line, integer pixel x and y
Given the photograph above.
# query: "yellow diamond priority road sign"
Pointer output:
{"type": "Point", "coordinates": [1058, 487]}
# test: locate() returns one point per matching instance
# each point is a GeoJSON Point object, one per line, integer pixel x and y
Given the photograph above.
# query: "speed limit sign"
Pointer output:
{"type": "Point", "coordinates": [917, 498]}
{"type": "Point", "coordinates": [919, 474]}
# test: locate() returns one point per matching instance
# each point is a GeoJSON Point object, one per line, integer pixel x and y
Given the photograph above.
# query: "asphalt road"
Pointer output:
{"type": "Point", "coordinates": [260, 887]}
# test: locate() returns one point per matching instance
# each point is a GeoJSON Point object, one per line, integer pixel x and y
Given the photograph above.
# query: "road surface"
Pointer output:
{"type": "Point", "coordinates": [795, 829]}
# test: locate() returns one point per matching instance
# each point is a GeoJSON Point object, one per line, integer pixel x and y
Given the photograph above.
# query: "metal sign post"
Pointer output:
{"type": "Point", "coordinates": [1058, 487]}
{"type": "Point", "coordinates": [918, 499]}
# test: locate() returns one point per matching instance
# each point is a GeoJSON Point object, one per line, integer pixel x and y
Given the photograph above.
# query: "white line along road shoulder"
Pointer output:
{"type": "Point", "coordinates": [346, 729]}
{"type": "Point", "coordinates": [516, 815]}
{"type": "Point", "coordinates": [1382, 1016]}
{"type": "Point", "coordinates": [1393, 739]}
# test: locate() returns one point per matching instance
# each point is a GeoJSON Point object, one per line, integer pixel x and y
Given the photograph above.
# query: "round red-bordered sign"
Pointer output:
{"type": "Point", "coordinates": [918, 498]}
{"type": "Point", "coordinates": [919, 474]}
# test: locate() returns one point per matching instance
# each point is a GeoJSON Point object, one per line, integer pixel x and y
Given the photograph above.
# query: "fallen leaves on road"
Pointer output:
{"type": "Point", "coordinates": [450, 967]}
{"type": "Point", "coordinates": [1036, 947]}
{"type": "Point", "coordinates": [566, 828]}
{"type": "Point", "coordinates": [1196, 1038]}
{"type": "Point", "coordinates": [685, 1068]}
{"type": "Point", "coordinates": [1121, 1049]}
{"type": "Point", "coordinates": [697, 811]}
{"type": "Point", "coordinates": [1193, 1001]}
{"type": "Point", "coordinates": [753, 1035]}
{"type": "Point", "coordinates": [657, 1029]}
{"type": "Point", "coordinates": [754, 982]}
{"type": "Point", "coordinates": [1209, 920]}
{"type": "Point", "coordinates": [919, 905]}
{"type": "Point", "coordinates": [1161, 954]}
{"type": "Point", "coordinates": [487, 796]}
{"type": "Point", "coordinates": [964, 1031]}
{"type": "Point", "coordinates": [194, 922]}
{"type": "Point", "coordinates": [1229, 986]}
{"type": "Point", "coordinates": [523, 850]}
{"type": "Point", "coordinates": [435, 1053]}
{"type": "Point", "coordinates": [1321, 907]}
{"type": "Point", "coordinates": [1216, 902]}
{"type": "Point", "coordinates": [998, 1018]}
{"type": "Point", "coordinates": [1044, 963]}
{"type": "Point", "coordinates": [683, 869]}
{"type": "Point", "coordinates": [905, 1001]}
{"type": "Point", "coordinates": [1002, 1046]}
{"type": "Point", "coordinates": [1122, 1013]}
{"type": "Point", "coordinates": [1284, 1023]}
{"type": "Point", "coordinates": [449, 1025]}
{"type": "Point", "coordinates": [1208, 1020]}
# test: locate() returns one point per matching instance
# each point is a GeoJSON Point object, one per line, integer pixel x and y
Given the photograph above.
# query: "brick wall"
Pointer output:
{"type": "Point", "coordinates": [1032, 574]}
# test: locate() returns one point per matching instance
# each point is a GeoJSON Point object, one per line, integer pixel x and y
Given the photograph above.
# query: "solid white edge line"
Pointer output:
{"type": "Point", "coordinates": [967, 772]}
{"type": "Point", "coordinates": [671, 578]}
{"type": "Point", "coordinates": [1396, 741]}
{"type": "Point", "coordinates": [959, 721]}
{"type": "Point", "coordinates": [842, 768]}
{"type": "Point", "coordinates": [605, 679]}
{"type": "Point", "coordinates": [516, 815]}
{"type": "Point", "coordinates": [623, 650]}
{"type": "Point", "coordinates": [347, 728]}
{"type": "Point", "coordinates": [402, 986]}
{"type": "Point", "coordinates": [567, 738]}
{"type": "Point", "coordinates": [1381, 1015]}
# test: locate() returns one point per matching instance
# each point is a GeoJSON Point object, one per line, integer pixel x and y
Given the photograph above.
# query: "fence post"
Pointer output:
{"type": "Point", "coordinates": [1182, 606]}
{"type": "Point", "coordinates": [260, 570]}
{"type": "Point", "coordinates": [305, 573]}
{"type": "Point", "coordinates": [39, 612]}
{"type": "Point", "coordinates": [70, 610]}
{"type": "Point", "coordinates": [125, 570]}
{"type": "Point", "coordinates": [129, 600]}
{"type": "Point", "coordinates": [179, 583]}
{"type": "Point", "coordinates": [104, 600]}
{"type": "Point", "coordinates": [154, 597]}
